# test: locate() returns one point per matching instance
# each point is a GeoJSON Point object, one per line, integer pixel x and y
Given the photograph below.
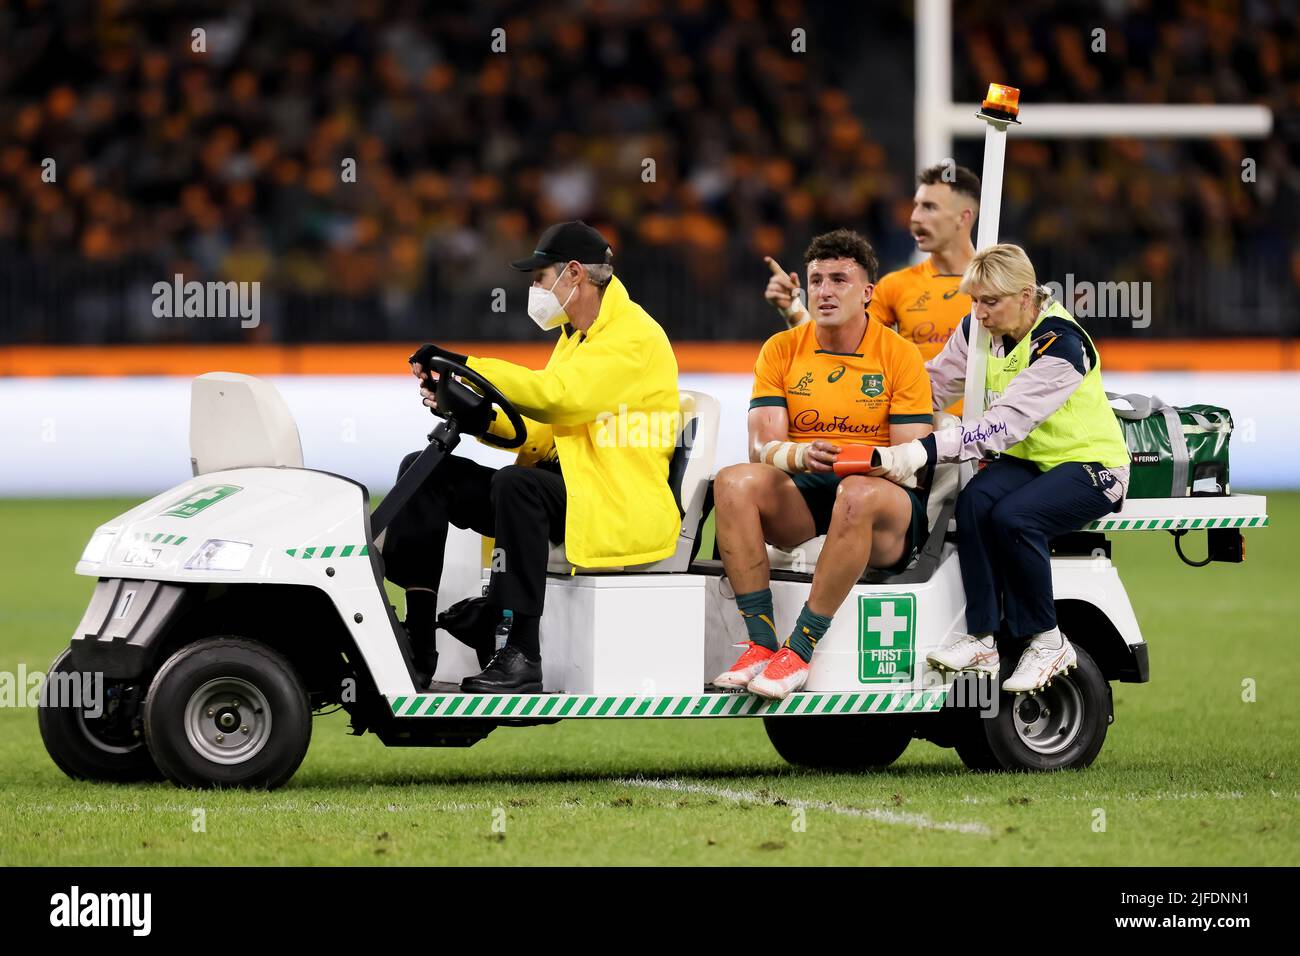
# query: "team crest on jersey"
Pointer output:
{"type": "Point", "coordinates": [801, 386]}
{"type": "Point", "coordinates": [873, 385]}
{"type": "Point", "coordinates": [836, 374]}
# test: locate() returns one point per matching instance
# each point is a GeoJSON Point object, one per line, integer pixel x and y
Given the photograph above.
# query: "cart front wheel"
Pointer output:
{"type": "Point", "coordinates": [227, 712]}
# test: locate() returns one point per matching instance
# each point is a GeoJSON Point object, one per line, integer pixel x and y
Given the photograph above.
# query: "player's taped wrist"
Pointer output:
{"type": "Point", "coordinates": [796, 313]}
{"type": "Point", "coordinates": [789, 456]}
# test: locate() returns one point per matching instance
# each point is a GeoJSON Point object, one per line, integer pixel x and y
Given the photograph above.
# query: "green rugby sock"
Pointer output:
{"type": "Point", "coordinates": [756, 609]}
{"type": "Point", "coordinates": [808, 630]}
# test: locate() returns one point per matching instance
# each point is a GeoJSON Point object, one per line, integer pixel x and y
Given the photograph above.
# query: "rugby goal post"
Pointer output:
{"type": "Point", "coordinates": [939, 120]}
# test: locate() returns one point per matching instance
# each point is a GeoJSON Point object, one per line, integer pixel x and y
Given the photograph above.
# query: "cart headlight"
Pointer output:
{"type": "Point", "coordinates": [218, 555]}
{"type": "Point", "coordinates": [97, 547]}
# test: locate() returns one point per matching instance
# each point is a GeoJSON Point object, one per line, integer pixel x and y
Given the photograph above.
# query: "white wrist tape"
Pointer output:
{"type": "Point", "coordinates": [789, 456]}
{"type": "Point", "coordinates": [796, 314]}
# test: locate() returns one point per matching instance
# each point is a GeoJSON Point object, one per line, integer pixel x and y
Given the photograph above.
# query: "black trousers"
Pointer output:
{"type": "Point", "coordinates": [523, 508]}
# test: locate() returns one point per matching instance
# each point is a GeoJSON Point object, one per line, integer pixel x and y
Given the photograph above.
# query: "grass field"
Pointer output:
{"type": "Point", "coordinates": [1190, 774]}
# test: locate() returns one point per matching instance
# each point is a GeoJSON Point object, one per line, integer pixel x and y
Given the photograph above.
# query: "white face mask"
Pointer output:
{"type": "Point", "coordinates": [545, 308]}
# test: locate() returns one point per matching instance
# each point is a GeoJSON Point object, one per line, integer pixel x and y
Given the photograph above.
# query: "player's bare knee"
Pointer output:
{"type": "Point", "coordinates": [858, 499]}
{"type": "Point", "coordinates": [739, 484]}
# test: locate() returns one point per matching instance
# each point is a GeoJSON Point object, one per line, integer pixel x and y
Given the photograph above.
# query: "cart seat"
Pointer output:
{"type": "Point", "coordinates": [238, 421]}
{"type": "Point", "coordinates": [688, 476]}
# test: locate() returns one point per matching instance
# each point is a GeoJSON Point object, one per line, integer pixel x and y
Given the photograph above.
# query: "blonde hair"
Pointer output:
{"type": "Point", "coordinates": [1004, 269]}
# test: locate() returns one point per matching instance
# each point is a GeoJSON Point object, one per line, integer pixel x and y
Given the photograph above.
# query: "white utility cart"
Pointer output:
{"type": "Point", "coordinates": [232, 607]}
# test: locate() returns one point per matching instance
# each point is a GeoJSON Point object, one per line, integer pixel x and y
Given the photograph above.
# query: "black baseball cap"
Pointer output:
{"type": "Point", "coordinates": [564, 242]}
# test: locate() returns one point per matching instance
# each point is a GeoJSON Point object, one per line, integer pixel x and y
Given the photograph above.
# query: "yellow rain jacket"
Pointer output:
{"type": "Point", "coordinates": [606, 402]}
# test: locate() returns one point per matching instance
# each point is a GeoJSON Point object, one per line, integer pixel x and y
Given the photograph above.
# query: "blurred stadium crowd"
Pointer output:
{"type": "Point", "coordinates": [226, 164]}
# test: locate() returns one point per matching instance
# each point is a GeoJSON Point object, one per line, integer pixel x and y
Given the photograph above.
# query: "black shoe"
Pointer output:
{"type": "Point", "coordinates": [509, 672]}
{"type": "Point", "coordinates": [424, 658]}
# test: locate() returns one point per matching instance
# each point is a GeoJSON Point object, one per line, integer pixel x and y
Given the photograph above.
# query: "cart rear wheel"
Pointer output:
{"type": "Point", "coordinates": [972, 745]}
{"type": "Point", "coordinates": [839, 741]}
{"type": "Point", "coordinates": [1061, 727]}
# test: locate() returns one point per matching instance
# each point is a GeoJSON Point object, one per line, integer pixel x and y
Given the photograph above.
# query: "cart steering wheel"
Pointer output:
{"type": "Point", "coordinates": [472, 410]}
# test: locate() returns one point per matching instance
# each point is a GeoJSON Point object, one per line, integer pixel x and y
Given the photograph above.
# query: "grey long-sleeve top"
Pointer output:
{"type": "Point", "coordinates": [1059, 357]}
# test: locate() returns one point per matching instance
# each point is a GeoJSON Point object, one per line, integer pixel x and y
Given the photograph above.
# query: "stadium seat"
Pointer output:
{"type": "Point", "coordinates": [943, 488]}
{"type": "Point", "coordinates": [688, 476]}
{"type": "Point", "coordinates": [238, 421]}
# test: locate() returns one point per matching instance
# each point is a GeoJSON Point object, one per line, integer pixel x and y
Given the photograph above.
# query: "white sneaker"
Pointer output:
{"type": "Point", "coordinates": [967, 653]}
{"type": "Point", "coordinates": [1040, 662]}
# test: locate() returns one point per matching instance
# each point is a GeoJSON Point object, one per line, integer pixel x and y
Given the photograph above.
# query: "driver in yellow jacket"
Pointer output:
{"type": "Point", "coordinates": [603, 420]}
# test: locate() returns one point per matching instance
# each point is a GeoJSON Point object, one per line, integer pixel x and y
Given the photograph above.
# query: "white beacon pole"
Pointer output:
{"type": "Point", "coordinates": [999, 110]}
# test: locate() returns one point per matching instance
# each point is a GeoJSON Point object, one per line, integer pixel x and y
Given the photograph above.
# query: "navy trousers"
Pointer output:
{"type": "Point", "coordinates": [1006, 516]}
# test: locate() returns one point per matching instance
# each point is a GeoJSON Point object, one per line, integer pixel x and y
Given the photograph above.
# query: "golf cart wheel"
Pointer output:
{"type": "Point", "coordinates": [1061, 727]}
{"type": "Point", "coordinates": [226, 712]}
{"type": "Point", "coordinates": [840, 741]}
{"type": "Point", "coordinates": [103, 747]}
{"type": "Point", "coordinates": [972, 746]}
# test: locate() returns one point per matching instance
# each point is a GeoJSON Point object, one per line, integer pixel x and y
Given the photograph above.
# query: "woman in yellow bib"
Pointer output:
{"type": "Point", "coordinates": [1058, 462]}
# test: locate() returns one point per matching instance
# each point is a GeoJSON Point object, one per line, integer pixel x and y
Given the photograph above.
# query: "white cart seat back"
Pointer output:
{"type": "Point", "coordinates": [238, 421]}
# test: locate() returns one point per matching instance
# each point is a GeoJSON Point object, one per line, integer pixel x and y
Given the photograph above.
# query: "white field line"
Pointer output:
{"type": "Point", "coordinates": [258, 809]}
{"type": "Point", "coordinates": [1087, 796]}
{"type": "Point", "coordinates": [915, 820]}
{"type": "Point", "coordinates": [737, 795]}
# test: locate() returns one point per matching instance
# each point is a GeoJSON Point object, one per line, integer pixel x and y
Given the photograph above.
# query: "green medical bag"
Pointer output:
{"type": "Point", "coordinates": [1174, 452]}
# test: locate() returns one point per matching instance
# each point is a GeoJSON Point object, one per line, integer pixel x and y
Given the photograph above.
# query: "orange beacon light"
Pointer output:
{"type": "Point", "coordinates": [1001, 103]}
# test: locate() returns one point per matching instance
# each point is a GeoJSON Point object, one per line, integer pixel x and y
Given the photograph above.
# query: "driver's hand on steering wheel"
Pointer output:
{"type": "Point", "coordinates": [419, 360]}
{"type": "Point", "coordinates": [428, 382]}
{"type": "Point", "coordinates": [421, 357]}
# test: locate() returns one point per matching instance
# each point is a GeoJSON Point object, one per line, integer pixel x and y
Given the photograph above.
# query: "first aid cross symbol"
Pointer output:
{"type": "Point", "coordinates": [887, 624]}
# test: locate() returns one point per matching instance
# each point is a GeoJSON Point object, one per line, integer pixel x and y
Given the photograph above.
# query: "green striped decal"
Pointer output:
{"type": "Point", "coordinates": [157, 537]}
{"type": "Point", "coordinates": [504, 706]}
{"type": "Point", "coordinates": [1170, 524]}
{"type": "Point", "coordinates": [328, 551]}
